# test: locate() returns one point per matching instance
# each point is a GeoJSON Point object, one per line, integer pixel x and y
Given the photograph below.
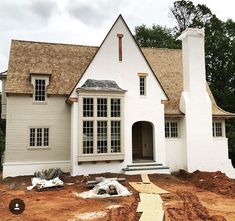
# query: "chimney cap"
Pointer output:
{"type": "Point", "coordinates": [191, 32]}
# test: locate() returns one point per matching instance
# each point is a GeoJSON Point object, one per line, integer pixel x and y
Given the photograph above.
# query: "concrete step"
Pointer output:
{"type": "Point", "coordinates": [144, 164]}
{"type": "Point", "coordinates": [149, 169]}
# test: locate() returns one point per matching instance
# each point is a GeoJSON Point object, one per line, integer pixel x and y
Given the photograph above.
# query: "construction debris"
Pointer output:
{"type": "Point", "coordinates": [48, 174]}
{"type": "Point", "coordinates": [97, 180]}
{"type": "Point", "coordinates": [107, 188]}
{"type": "Point", "coordinates": [47, 179]}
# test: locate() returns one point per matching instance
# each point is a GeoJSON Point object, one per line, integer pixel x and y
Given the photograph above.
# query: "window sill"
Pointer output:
{"type": "Point", "coordinates": [172, 139]}
{"type": "Point", "coordinates": [101, 157]}
{"type": "Point", "coordinates": [220, 138]}
{"type": "Point", "coordinates": [38, 148]}
{"type": "Point", "coordinates": [39, 103]}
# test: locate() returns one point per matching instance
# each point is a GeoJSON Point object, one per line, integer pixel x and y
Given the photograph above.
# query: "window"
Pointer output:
{"type": "Point", "coordinates": [39, 137]}
{"type": "Point", "coordinates": [40, 90]}
{"type": "Point", "coordinates": [87, 107]}
{"type": "Point", "coordinates": [217, 129]}
{"type": "Point", "coordinates": [171, 129]}
{"type": "Point", "coordinates": [101, 107]}
{"type": "Point", "coordinates": [101, 125]}
{"type": "Point", "coordinates": [115, 108]}
{"type": "Point", "coordinates": [115, 136]}
{"type": "Point", "coordinates": [88, 137]}
{"type": "Point", "coordinates": [142, 85]}
{"type": "Point", "coordinates": [102, 139]}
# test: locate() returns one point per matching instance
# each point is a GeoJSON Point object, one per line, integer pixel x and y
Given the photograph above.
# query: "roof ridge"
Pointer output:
{"type": "Point", "coordinates": [54, 43]}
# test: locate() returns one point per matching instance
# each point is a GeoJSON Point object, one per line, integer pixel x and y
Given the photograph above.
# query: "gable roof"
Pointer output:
{"type": "Point", "coordinates": [128, 29]}
{"type": "Point", "coordinates": [67, 62]}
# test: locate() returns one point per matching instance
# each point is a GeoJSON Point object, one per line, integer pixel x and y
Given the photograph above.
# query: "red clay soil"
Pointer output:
{"type": "Point", "coordinates": [185, 201]}
{"type": "Point", "coordinates": [216, 182]}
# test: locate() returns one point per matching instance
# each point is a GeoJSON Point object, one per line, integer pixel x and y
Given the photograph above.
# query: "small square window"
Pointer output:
{"type": "Point", "coordinates": [171, 129]}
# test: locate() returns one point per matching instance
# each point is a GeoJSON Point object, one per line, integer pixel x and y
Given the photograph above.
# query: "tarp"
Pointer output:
{"type": "Point", "coordinates": [42, 183]}
{"type": "Point", "coordinates": [104, 185]}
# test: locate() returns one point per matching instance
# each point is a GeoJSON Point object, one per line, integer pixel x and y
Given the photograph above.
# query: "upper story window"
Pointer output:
{"type": "Point", "coordinates": [217, 129]}
{"type": "Point", "coordinates": [40, 90]}
{"type": "Point", "coordinates": [142, 83]}
{"type": "Point", "coordinates": [171, 129]}
{"type": "Point", "coordinates": [40, 83]}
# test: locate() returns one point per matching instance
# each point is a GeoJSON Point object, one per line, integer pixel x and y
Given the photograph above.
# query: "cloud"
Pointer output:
{"type": "Point", "coordinates": [93, 12]}
{"type": "Point", "coordinates": [43, 8]}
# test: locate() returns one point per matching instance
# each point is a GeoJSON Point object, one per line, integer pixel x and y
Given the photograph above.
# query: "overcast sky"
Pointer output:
{"type": "Point", "coordinates": [84, 21]}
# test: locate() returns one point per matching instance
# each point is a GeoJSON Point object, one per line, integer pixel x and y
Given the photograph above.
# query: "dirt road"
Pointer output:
{"type": "Point", "coordinates": [196, 196]}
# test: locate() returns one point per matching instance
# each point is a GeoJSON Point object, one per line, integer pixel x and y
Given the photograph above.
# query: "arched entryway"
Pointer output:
{"type": "Point", "coordinates": [142, 141]}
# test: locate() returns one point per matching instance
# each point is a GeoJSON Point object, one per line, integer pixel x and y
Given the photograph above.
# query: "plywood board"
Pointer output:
{"type": "Point", "coordinates": [145, 178]}
{"type": "Point", "coordinates": [147, 187]}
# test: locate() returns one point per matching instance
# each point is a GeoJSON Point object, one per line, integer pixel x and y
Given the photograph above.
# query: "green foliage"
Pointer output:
{"type": "Point", "coordinates": [156, 36]}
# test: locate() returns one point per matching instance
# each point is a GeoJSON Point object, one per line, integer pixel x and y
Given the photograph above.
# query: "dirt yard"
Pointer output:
{"type": "Point", "coordinates": [193, 196]}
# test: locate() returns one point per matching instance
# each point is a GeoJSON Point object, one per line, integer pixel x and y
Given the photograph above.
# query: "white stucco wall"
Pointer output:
{"type": "Point", "coordinates": [202, 151]}
{"type": "Point", "coordinates": [106, 66]}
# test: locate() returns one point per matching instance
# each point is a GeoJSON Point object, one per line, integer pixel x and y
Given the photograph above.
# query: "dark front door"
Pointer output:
{"type": "Point", "coordinates": [137, 140]}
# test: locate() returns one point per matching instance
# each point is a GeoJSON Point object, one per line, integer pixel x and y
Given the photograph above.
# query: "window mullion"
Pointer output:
{"type": "Point", "coordinates": [95, 125]}
{"type": "Point", "coordinates": [109, 125]}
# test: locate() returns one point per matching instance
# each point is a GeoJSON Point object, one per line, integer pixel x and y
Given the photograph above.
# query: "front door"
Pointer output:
{"type": "Point", "coordinates": [142, 141]}
{"type": "Point", "coordinates": [137, 140]}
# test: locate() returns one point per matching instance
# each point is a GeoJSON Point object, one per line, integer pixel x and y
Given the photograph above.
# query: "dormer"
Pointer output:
{"type": "Point", "coordinates": [40, 81]}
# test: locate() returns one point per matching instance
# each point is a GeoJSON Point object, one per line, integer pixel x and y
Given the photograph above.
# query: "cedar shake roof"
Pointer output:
{"type": "Point", "coordinates": [65, 63]}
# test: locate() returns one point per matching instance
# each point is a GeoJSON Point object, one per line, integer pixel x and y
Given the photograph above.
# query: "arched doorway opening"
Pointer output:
{"type": "Point", "coordinates": [142, 141]}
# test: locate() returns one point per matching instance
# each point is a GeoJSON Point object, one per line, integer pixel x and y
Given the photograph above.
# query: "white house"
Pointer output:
{"type": "Point", "coordinates": [113, 108]}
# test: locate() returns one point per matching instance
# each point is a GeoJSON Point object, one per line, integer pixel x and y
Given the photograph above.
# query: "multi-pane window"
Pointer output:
{"type": "Point", "coordinates": [39, 137]}
{"type": "Point", "coordinates": [115, 107]}
{"type": "Point", "coordinates": [217, 129]}
{"type": "Point", "coordinates": [88, 107]}
{"type": "Point", "coordinates": [101, 125]}
{"type": "Point", "coordinates": [115, 136]}
{"type": "Point", "coordinates": [101, 107]}
{"type": "Point", "coordinates": [88, 140]}
{"type": "Point", "coordinates": [171, 129]}
{"type": "Point", "coordinates": [142, 85]}
{"type": "Point", "coordinates": [102, 139]}
{"type": "Point", "coordinates": [40, 90]}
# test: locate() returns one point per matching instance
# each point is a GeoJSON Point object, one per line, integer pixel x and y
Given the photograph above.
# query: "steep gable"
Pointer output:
{"type": "Point", "coordinates": [107, 58]}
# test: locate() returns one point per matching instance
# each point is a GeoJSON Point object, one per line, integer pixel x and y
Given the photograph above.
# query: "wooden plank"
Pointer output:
{"type": "Point", "coordinates": [145, 178]}
{"type": "Point", "coordinates": [147, 187]}
{"type": "Point", "coordinates": [151, 207]}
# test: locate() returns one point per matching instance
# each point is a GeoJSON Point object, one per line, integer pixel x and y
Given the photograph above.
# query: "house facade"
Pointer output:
{"type": "Point", "coordinates": [113, 108]}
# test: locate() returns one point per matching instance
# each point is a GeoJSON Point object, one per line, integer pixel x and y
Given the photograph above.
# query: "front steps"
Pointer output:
{"type": "Point", "coordinates": [149, 168]}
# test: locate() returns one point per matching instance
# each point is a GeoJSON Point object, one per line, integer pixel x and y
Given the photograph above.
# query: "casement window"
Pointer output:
{"type": "Point", "coordinates": [101, 125]}
{"type": "Point", "coordinates": [142, 83]}
{"type": "Point", "coordinates": [40, 90]}
{"type": "Point", "coordinates": [171, 129]}
{"type": "Point", "coordinates": [39, 137]}
{"type": "Point", "coordinates": [217, 129]}
{"type": "Point", "coordinates": [40, 83]}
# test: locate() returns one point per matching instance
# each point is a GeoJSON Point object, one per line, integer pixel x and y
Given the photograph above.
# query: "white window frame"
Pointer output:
{"type": "Point", "coordinates": [110, 154]}
{"type": "Point", "coordinates": [35, 146]}
{"type": "Point", "coordinates": [170, 122]}
{"type": "Point", "coordinates": [215, 132]}
{"type": "Point", "coordinates": [33, 82]}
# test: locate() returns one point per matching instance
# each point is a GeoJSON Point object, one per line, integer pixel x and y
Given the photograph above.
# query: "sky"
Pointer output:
{"type": "Point", "coordinates": [84, 21]}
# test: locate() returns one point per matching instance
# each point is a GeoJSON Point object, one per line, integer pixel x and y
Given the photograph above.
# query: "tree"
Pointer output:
{"type": "Point", "coordinates": [156, 36]}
